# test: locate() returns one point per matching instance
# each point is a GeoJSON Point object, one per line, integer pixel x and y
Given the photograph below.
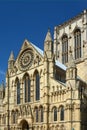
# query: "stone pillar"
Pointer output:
{"type": "Point", "coordinates": [46, 116]}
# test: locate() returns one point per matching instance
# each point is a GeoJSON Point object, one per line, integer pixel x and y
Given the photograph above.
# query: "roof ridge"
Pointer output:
{"type": "Point", "coordinates": [37, 48]}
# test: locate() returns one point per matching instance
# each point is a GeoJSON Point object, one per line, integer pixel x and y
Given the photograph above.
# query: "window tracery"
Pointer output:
{"type": "Point", "coordinates": [27, 84]}
{"type": "Point", "coordinates": [41, 114]}
{"type": "Point", "coordinates": [64, 49]}
{"type": "Point", "coordinates": [77, 43]}
{"type": "Point", "coordinates": [36, 112]}
{"type": "Point", "coordinates": [37, 86]}
{"type": "Point", "coordinates": [62, 113]}
{"type": "Point", "coordinates": [55, 113]}
{"type": "Point", "coordinates": [18, 91]}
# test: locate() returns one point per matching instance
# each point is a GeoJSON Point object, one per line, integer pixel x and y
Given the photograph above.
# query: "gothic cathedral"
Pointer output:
{"type": "Point", "coordinates": [47, 90]}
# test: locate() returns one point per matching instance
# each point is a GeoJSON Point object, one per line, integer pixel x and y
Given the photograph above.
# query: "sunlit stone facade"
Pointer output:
{"type": "Point", "coordinates": [47, 90]}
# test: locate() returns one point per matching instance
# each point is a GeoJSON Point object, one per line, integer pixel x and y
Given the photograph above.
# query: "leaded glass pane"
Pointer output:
{"type": "Point", "coordinates": [41, 114]}
{"type": "Point", "coordinates": [37, 87]}
{"type": "Point", "coordinates": [64, 49]}
{"type": "Point", "coordinates": [62, 114]}
{"type": "Point", "coordinates": [77, 40]}
{"type": "Point", "coordinates": [18, 92]}
{"type": "Point", "coordinates": [27, 88]}
{"type": "Point", "coordinates": [55, 114]}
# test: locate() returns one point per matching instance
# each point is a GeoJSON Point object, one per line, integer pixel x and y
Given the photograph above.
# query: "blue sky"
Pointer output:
{"type": "Point", "coordinates": [30, 19]}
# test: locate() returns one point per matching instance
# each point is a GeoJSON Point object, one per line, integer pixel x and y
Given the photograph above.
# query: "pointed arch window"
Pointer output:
{"type": "Point", "coordinates": [18, 91]}
{"type": "Point", "coordinates": [77, 43]}
{"type": "Point", "coordinates": [27, 83]}
{"type": "Point", "coordinates": [37, 86]}
{"type": "Point", "coordinates": [55, 113]}
{"type": "Point", "coordinates": [64, 49]}
{"type": "Point", "coordinates": [41, 114]}
{"type": "Point", "coordinates": [62, 113]}
{"type": "Point", "coordinates": [36, 111]}
{"type": "Point", "coordinates": [13, 117]}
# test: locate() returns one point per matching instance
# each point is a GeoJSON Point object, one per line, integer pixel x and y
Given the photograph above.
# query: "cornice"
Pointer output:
{"type": "Point", "coordinates": [68, 22]}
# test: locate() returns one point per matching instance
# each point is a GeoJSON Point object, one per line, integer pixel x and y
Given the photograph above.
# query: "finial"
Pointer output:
{"type": "Point", "coordinates": [48, 29]}
{"type": "Point", "coordinates": [48, 36]}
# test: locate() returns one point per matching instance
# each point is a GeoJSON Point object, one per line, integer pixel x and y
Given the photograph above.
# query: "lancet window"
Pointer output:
{"type": "Point", "coordinates": [64, 49]}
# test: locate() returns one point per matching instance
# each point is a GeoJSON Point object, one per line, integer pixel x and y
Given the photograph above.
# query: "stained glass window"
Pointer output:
{"type": "Point", "coordinates": [62, 113]}
{"type": "Point", "coordinates": [37, 80]}
{"type": "Point", "coordinates": [77, 42]}
{"type": "Point", "coordinates": [18, 92]}
{"type": "Point", "coordinates": [55, 114]}
{"type": "Point", "coordinates": [27, 88]}
{"type": "Point", "coordinates": [64, 49]}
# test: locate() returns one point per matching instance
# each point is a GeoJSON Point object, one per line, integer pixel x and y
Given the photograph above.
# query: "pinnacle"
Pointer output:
{"type": "Point", "coordinates": [11, 56]}
{"type": "Point", "coordinates": [48, 36]}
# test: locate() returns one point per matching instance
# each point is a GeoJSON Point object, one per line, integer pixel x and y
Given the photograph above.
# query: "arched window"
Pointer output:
{"type": "Point", "coordinates": [41, 114]}
{"type": "Point", "coordinates": [57, 50]}
{"type": "Point", "coordinates": [16, 116]}
{"type": "Point", "coordinates": [18, 91]}
{"type": "Point", "coordinates": [37, 86]}
{"type": "Point", "coordinates": [62, 113]}
{"type": "Point", "coordinates": [27, 83]}
{"type": "Point", "coordinates": [36, 113]}
{"type": "Point", "coordinates": [77, 43]}
{"type": "Point", "coordinates": [55, 113]}
{"type": "Point", "coordinates": [13, 117]}
{"type": "Point", "coordinates": [64, 49]}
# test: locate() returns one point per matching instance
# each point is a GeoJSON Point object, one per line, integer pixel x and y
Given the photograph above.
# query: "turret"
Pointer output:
{"type": "Point", "coordinates": [11, 61]}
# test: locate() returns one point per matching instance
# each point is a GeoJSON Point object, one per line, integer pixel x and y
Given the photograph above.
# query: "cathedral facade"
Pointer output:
{"type": "Point", "coordinates": [47, 90]}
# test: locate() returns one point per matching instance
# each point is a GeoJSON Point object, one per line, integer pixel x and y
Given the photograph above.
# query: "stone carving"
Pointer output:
{"type": "Point", "coordinates": [25, 60]}
{"type": "Point", "coordinates": [25, 110]}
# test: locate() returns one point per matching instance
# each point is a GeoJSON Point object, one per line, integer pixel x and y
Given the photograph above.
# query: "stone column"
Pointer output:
{"type": "Point", "coordinates": [46, 117]}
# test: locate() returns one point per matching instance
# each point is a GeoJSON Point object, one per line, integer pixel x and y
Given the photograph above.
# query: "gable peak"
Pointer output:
{"type": "Point", "coordinates": [25, 45]}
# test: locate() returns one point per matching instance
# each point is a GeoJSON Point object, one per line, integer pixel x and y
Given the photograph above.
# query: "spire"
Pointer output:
{"type": "Point", "coordinates": [48, 36]}
{"type": "Point", "coordinates": [11, 58]}
{"type": "Point", "coordinates": [11, 61]}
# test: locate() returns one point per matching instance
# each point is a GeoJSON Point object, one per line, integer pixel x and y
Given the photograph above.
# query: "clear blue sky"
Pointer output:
{"type": "Point", "coordinates": [30, 19]}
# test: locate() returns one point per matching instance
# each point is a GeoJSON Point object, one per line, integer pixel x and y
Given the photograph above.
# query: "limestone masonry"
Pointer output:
{"type": "Point", "coordinates": [47, 90]}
